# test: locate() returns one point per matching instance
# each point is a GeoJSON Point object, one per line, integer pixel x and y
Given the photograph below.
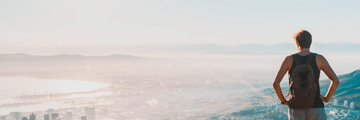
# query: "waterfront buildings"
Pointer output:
{"type": "Point", "coordinates": [46, 117]}
{"type": "Point", "coordinates": [90, 113]}
{"type": "Point", "coordinates": [83, 117]}
{"type": "Point", "coordinates": [32, 116]}
{"type": "Point", "coordinates": [69, 115]}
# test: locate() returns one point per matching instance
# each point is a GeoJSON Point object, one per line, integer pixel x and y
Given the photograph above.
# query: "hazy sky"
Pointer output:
{"type": "Point", "coordinates": [127, 22]}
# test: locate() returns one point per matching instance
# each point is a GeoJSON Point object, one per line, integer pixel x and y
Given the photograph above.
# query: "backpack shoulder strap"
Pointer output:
{"type": "Point", "coordinates": [296, 59]}
{"type": "Point", "coordinates": [310, 59]}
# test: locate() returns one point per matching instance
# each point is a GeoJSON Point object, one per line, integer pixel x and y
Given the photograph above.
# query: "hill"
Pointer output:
{"type": "Point", "coordinates": [348, 89]}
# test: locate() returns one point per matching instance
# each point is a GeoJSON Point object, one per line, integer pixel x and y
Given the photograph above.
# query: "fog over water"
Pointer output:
{"type": "Point", "coordinates": [17, 86]}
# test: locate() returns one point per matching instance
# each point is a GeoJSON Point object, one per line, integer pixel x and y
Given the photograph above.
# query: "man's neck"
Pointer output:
{"type": "Point", "coordinates": [304, 51]}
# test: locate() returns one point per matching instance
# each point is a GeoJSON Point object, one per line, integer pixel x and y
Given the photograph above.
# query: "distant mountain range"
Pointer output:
{"type": "Point", "coordinates": [279, 48]}
{"type": "Point", "coordinates": [348, 89]}
{"type": "Point", "coordinates": [27, 57]}
{"type": "Point", "coordinates": [290, 47]}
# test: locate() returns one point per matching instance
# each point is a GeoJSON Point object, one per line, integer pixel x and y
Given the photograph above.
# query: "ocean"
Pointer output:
{"type": "Point", "coordinates": [13, 87]}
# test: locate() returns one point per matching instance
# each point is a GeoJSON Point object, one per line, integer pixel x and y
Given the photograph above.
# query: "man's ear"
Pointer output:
{"type": "Point", "coordinates": [297, 45]}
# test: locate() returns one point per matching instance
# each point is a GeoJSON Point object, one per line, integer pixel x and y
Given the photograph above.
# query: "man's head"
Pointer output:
{"type": "Point", "coordinates": [303, 39]}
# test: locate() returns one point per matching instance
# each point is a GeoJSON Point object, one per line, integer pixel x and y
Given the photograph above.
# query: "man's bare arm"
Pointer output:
{"type": "Point", "coordinates": [285, 66]}
{"type": "Point", "coordinates": [325, 66]}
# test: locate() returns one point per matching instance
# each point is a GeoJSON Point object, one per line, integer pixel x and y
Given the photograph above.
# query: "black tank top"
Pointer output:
{"type": "Point", "coordinates": [318, 102]}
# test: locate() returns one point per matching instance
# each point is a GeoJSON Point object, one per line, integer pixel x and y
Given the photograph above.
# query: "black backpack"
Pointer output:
{"type": "Point", "coordinates": [303, 87]}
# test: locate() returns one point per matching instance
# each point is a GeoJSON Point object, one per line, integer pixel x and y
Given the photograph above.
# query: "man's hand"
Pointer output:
{"type": "Point", "coordinates": [323, 98]}
{"type": "Point", "coordinates": [286, 103]}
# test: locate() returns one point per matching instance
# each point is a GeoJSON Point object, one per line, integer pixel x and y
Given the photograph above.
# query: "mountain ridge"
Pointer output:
{"type": "Point", "coordinates": [348, 89]}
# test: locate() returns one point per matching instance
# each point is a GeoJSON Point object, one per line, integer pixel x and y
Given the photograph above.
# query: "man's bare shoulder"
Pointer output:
{"type": "Point", "coordinates": [321, 61]}
{"type": "Point", "coordinates": [288, 58]}
{"type": "Point", "coordinates": [320, 58]}
{"type": "Point", "coordinates": [288, 62]}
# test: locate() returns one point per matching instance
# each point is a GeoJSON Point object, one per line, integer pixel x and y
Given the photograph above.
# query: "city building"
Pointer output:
{"type": "Point", "coordinates": [346, 103]}
{"type": "Point", "coordinates": [49, 112]}
{"type": "Point", "coordinates": [24, 118]}
{"type": "Point", "coordinates": [83, 117]}
{"type": "Point", "coordinates": [69, 115]}
{"type": "Point", "coordinates": [16, 115]}
{"type": "Point", "coordinates": [352, 105]}
{"type": "Point", "coordinates": [46, 117]}
{"type": "Point", "coordinates": [32, 116]}
{"type": "Point", "coordinates": [90, 113]}
{"type": "Point", "coordinates": [55, 116]}
{"type": "Point", "coordinates": [335, 102]}
{"type": "Point", "coordinates": [3, 117]}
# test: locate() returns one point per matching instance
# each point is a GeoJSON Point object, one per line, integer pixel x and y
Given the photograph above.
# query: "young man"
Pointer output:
{"type": "Point", "coordinates": [317, 62]}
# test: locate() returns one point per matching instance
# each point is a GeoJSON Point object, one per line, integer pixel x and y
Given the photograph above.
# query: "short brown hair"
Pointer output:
{"type": "Point", "coordinates": [303, 39]}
